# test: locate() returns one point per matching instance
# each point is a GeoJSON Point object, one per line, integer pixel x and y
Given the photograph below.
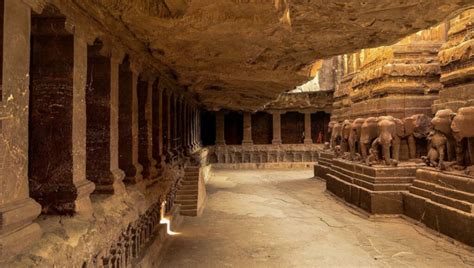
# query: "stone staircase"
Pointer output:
{"type": "Point", "coordinates": [187, 195]}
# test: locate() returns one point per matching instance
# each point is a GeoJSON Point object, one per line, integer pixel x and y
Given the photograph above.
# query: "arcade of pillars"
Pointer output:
{"type": "Point", "coordinates": [82, 117]}
{"type": "Point", "coordinates": [101, 146]}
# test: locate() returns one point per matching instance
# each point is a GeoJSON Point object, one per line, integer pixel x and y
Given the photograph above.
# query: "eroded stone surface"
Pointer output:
{"type": "Point", "coordinates": [242, 54]}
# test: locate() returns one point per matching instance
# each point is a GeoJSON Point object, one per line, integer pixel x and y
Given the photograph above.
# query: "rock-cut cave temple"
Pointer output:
{"type": "Point", "coordinates": [244, 133]}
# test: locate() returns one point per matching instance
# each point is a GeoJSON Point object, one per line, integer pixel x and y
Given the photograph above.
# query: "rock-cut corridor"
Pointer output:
{"type": "Point", "coordinates": [276, 218]}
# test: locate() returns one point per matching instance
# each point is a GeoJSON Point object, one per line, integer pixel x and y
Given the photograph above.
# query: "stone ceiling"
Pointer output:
{"type": "Point", "coordinates": [241, 54]}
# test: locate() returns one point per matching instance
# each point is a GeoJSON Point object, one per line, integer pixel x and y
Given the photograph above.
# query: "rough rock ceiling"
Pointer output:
{"type": "Point", "coordinates": [240, 54]}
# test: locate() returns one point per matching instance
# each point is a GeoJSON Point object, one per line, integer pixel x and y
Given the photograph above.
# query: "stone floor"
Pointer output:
{"type": "Point", "coordinates": [262, 218]}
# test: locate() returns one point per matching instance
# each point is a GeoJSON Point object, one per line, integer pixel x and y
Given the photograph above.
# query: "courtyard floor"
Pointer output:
{"type": "Point", "coordinates": [281, 218]}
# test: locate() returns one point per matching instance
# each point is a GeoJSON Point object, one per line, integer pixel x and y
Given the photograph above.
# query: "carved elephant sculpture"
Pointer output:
{"type": "Point", "coordinates": [345, 132]}
{"type": "Point", "coordinates": [463, 127]}
{"type": "Point", "coordinates": [335, 134]}
{"type": "Point", "coordinates": [442, 123]}
{"type": "Point", "coordinates": [417, 126]}
{"type": "Point", "coordinates": [436, 149]}
{"type": "Point", "coordinates": [354, 137]}
{"type": "Point", "coordinates": [368, 133]}
{"type": "Point", "coordinates": [391, 130]}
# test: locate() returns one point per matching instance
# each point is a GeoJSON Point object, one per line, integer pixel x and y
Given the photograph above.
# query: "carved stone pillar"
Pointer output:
{"type": "Point", "coordinates": [220, 131]}
{"type": "Point", "coordinates": [247, 139]}
{"type": "Point", "coordinates": [117, 173]}
{"type": "Point", "coordinates": [157, 130]}
{"type": "Point", "coordinates": [168, 135]}
{"type": "Point", "coordinates": [135, 125]}
{"type": "Point", "coordinates": [57, 153]}
{"type": "Point", "coordinates": [17, 209]}
{"type": "Point", "coordinates": [126, 159]}
{"type": "Point", "coordinates": [307, 128]}
{"type": "Point", "coordinates": [100, 128]}
{"type": "Point", "coordinates": [276, 128]}
{"type": "Point", "coordinates": [145, 125]}
{"type": "Point", "coordinates": [195, 129]}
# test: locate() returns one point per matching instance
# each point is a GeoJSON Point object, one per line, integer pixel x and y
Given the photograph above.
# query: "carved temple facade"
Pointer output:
{"type": "Point", "coordinates": [401, 129]}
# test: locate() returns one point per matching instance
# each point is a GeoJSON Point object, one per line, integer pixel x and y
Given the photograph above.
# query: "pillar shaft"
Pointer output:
{"type": "Point", "coordinates": [117, 173]}
{"type": "Point", "coordinates": [220, 131]}
{"type": "Point", "coordinates": [149, 129]}
{"type": "Point", "coordinates": [135, 129]}
{"type": "Point", "coordinates": [247, 139]}
{"type": "Point", "coordinates": [307, 129]}
{"type": "Point", "coordinates": [276, 128]}
{"type": "Point", "coordinates": [17, 209]}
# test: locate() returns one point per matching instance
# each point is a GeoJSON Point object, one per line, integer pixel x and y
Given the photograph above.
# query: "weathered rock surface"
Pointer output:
{"type": "Point", "coordinates": [241, 54]}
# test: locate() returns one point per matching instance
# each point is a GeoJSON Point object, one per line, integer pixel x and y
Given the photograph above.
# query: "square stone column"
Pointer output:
{"type": "Point", "coordinates": [168, 134]}
{"type": "Point", "coordinates": [102, 125]}
{"type": "Point", "coordinates": [220, 128]}
{"type": "Point", "coordinates": [247, 139]}
{"type": "Point", "coordinates": [57, 155]}
{"type": "Point", "coordinates": [17, 209]}
{"type": "Point", "coordinates": [157, 110]}
{"type": "Point", "coordinates": [126, 163]}
{"type": "Point", "coordinates": [307, 128]}
{"type": "Point", "coordinates": [135, 125]}
{"type": "Point", "coordinates": [118, 174]}
{"type": "Point", "coordinates": [276, 128]}
{"type": "Point", "coordinates": [149, 121]}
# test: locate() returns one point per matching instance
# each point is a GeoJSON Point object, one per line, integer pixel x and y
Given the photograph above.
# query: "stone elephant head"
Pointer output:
{"type": "Point", "coordinates": [354, 136]}
{"type": "Point", "coordinates": [345, 132]}
{"type": "Point", "coordinates": [462, 125]}
{"type": "Point", "coordinates": [391, 130]}
{"type": "Point", "coordinates": [416, 126]}
{"type": "Point", "coordinates": [442, 121]}
{"type": "Point", "coordinates": [335, 134]}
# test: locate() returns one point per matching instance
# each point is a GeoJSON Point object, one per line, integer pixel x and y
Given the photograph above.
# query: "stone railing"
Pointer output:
{"type": "Point", "coordinates": [268, 153]}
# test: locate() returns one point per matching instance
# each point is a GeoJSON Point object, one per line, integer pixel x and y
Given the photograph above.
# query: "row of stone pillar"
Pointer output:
{"type": "Point", "coordinates": [79, 117]}
{"type": "Point", "coordinates": [247, 128]}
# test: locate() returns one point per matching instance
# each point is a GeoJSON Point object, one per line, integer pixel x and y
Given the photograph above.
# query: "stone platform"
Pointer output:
{"type": "Point", "coordinates": [375, 189]}
{"type": "Point", "coordinates": [321, 168]}
{"type": "Point", "coordinates": [443, 201]}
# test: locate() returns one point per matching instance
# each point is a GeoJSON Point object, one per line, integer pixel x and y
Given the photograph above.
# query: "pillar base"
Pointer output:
{"type": "Point", "coordinates": [308, 141]}
{"type": "Point", "coordinates": [276, 142]}
{"type": "Point", "coordinates": [247, 142]}
{"type": "Point", "coordinates": [17, 228]}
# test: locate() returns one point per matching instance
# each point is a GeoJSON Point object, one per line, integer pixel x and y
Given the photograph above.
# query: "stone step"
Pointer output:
{"type": "Point", "coordinates": [191, 178]}
{"type": "Point", "coordinates": [180, 197]}
{"type": "Point", "coordinates": [186, 202]}
{"type": "Point", "coordinates": [192, 182]}
{"type": "Point", "coordinates": [191, 174]}
{"type": "Point", "coordinates": [446, 191]}
{"type": "Point", "coordinates": [188, 187]}
{"type": "Point", "coordinates": [189, 207]}
{"type": "Point", "coordinates": [441, 199]}
{"type": "Point", "coordinates": [190, 212]}
{"type": "Point", "coordinates": [452, 181]}
{"type": "Point", "coordinates": [192, 168]}
{"type": "Point", "coordinates": [187, 192]}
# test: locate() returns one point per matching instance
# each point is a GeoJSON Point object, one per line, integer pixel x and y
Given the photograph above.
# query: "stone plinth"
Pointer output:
{"type": "Point", "coordinates": [443, 201]}
{"type": "Point", "coordinates": [375, 189]}
{"type": "Point", "coordinates": [321, 168]}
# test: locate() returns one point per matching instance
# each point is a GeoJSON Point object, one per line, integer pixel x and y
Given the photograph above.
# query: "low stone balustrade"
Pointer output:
{"type": "Point", "coordinates": [260, 154]}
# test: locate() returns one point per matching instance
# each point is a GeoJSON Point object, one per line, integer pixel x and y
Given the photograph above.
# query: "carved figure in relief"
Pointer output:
{"type": "Point", "coordinates": [354, 138]}
{"type": "Point", "coordinates": [368, 133]}
{"type": "Point", "coordinates": [417, 126]}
